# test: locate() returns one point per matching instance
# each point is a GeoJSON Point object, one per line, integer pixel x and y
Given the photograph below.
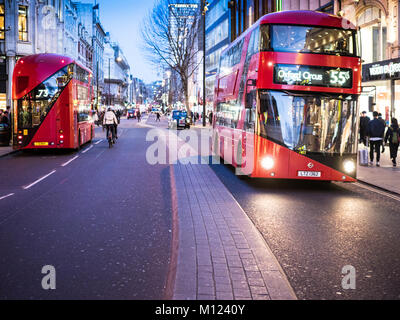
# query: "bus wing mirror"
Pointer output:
{"type": "Point", "coordinates": [249, 100]}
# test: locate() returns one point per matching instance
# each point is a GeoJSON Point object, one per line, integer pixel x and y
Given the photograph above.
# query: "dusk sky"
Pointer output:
{"type": "Point", "coordinates": [122, 18]}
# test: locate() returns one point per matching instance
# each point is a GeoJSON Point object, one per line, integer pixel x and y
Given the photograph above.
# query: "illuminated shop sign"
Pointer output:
{"type": "Point", "coordinates": [300, 75]}
{"type": "Point", "coordinates": [383, 70]}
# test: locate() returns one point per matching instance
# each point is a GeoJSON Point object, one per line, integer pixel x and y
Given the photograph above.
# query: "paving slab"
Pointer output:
{"type": "Point", "coordinates": [385, 177]}
{"type": "Point", "coordinates": [221, 254]}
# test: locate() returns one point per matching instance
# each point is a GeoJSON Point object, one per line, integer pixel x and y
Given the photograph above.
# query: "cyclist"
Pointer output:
{"type": "Point", "coordinates": [111, 122]}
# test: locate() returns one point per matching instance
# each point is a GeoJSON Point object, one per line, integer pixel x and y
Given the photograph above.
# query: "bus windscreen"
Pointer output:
{"type": "Point", "coordinates": [306, 39]}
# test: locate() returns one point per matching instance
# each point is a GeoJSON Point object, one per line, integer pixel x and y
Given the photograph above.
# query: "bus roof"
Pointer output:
{"type": "Point", "coordinates": [307, 17]}
{"type": "Point", "coordinates": [37, 68]}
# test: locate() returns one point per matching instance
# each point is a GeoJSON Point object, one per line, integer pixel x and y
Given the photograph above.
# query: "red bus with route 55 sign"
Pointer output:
{"type": "Point", "coordinates": [285, 102]}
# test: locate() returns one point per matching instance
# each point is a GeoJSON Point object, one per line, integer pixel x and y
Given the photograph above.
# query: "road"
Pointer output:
{"type": "Point", "coordinates": [101, 217]}
{"type": "Point", "coordinates": [315, 229]}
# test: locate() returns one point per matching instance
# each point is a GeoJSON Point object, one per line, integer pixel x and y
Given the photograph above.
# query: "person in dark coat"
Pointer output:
{"type": "Point", "coordinates": [376, 130]}
{"type": "Point", "coordinates": [364, 120]}
{"type": "Point", "coordinates": [393, 136]}
{"type": "Point", "coordinates": [384, 123]}
{"type": "Point", "coordinates": [5, 119]}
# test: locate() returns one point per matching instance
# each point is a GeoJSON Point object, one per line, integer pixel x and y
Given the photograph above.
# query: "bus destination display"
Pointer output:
{"type": "Point", "coordinates": [301, 75]}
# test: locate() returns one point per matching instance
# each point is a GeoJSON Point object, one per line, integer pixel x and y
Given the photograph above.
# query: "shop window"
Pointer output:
{"type": "Point", "coordinates": [23, 23]}
{"type": "Point", "coordinates": [2, 22]}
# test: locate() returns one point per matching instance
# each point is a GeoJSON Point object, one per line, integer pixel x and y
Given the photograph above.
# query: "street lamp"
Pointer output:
{"type": "Point", "coordinates": [109, 82]}
{"type": "Point", "coordinates": [204, 9]}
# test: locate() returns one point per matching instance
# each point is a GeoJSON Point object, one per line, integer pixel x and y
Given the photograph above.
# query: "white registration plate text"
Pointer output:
{"type": "Point", "coordinates": [313, 174]}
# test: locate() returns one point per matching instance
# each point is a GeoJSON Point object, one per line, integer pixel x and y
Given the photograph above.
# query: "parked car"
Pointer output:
{"type": "Point", "coordinates": [178, 120]}
{"type": "Point", "coordinates": [131, 113]}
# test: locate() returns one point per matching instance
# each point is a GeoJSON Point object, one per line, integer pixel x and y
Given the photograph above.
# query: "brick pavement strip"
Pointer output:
{"type": "Point", "coordinates": [221, 254]}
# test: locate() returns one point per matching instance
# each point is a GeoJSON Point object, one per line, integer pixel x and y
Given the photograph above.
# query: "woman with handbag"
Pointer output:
{"type": "Point", "coordinates": [393, 136]}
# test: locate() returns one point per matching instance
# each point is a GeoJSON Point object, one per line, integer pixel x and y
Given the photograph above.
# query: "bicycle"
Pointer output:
{"type": "Point", "coordinates": [110, 139]}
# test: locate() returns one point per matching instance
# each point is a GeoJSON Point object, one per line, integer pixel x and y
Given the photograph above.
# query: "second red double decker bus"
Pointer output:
{"type": "Point", "coordinates": [52, 103]}
{"type": "Point", "coordinates": [286, 98]}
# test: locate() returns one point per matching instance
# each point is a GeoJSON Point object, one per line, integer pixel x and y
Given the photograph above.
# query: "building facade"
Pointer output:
{"type": "Point", "coordinates": [98, 57]}
{"type": "Point", "coordinates": [327, 6]}
{"type": "Point", "coordinates": [47, 26]}
{"type": "Point", "coordinates": [217, 39]}
{"type": "Point", "coordinates": [18, 38]}
{"type": "Point", "coordinates": [85, 33]}
{"type": "Point", "coordinates": [225, 21]}
{"type": "Point", "coordinates": [116, 75]}
{"type": "Point", "coordinates": [380, 38]}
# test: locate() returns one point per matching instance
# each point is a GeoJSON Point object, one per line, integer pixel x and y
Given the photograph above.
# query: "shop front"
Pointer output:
{"type": "Point", "coordinates": [3, 85]}
{"type": "Point", "coordinates": [381, 89]}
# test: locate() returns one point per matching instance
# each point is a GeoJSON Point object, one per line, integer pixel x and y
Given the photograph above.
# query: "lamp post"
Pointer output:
{"type": "Point", "coordinates": [204, 9]}
{"type": "Point", "coordinates": [109, 82]}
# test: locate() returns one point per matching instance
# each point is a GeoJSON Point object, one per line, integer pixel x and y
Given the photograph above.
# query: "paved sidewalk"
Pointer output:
{"type": "Point", "coordinates": [221, 253]}
{"type": "Point", "coordinates": [5, 150]}
{"type": "Point", "coordinates": [386, 176]}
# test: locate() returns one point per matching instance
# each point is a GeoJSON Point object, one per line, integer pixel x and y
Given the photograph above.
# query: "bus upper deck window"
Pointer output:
{"type": "Point", "coordinates": [264, 38]}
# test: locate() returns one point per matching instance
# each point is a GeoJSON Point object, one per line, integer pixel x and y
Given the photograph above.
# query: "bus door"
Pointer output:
{"type": "Point", "coordinates": [270, 138]}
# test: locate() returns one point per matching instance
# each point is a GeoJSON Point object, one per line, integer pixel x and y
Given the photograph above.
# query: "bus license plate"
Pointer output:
{"type": "Point", "coordinates": [41, 144]}
{"type": "Point", "coordinates": [313, 174]}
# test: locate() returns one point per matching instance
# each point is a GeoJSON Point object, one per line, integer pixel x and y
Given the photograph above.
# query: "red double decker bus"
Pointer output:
{"type": "Point", "coordinates": [285, 102]}
{"type": "Point", "coordinates": [52, 103]}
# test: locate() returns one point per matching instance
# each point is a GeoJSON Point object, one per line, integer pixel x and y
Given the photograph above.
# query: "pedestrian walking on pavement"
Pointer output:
{"type": "Point", "coordinates": [364, 120]}
{"type": "Point", "coordinates": [384, 123]}
{"type": "Point", "coordinates": [393, 136]}
{"type": "Point", "coordinates": [376, 130]}
{"type": "Point", "coordinates": [139, 116]}
{"type": "Point", "coordinates": [158, 117]}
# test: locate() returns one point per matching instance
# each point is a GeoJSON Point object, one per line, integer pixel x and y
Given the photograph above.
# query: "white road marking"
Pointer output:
{"type": "Point", "coordinates": [68, 162]}
{"type": "Point", "coordinates": [99, 141]}
{"type": "Point", "coordinates": [9, 195]}
{"type": "Point", "coordinates": [87, 149]}
{"type": "Point", "coordinates": [38, 180]}
{"type": "Point", "coordinates": [383, 193]}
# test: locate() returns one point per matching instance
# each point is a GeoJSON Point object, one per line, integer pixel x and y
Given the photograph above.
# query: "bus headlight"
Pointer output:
{"type": "Point", "coordinates": [349, 166]}
{"type": "Point", "coordinates": [267, 163]}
